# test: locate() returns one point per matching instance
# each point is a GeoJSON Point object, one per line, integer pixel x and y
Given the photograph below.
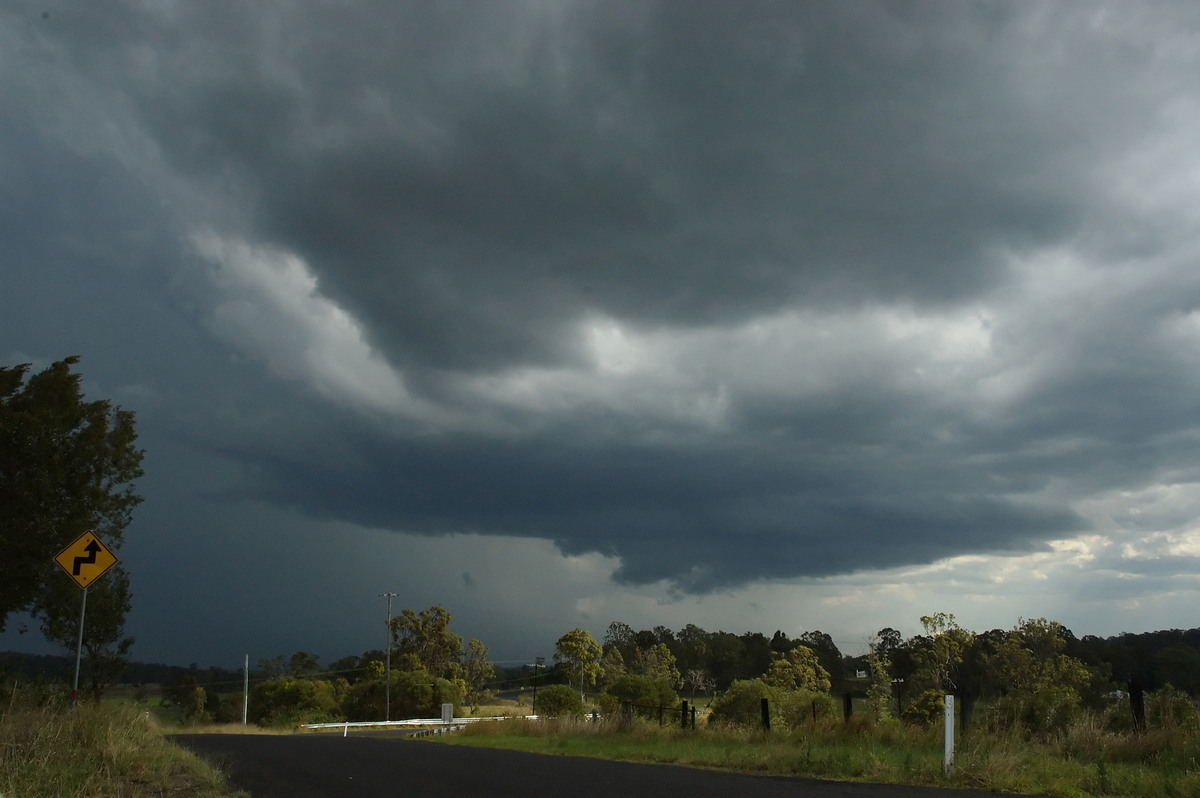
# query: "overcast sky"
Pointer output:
{"type": "Point", "coordinates": [753, 315]}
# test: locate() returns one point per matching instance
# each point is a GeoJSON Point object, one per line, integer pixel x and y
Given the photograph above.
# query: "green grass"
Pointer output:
{"type": "Point", "coordinates": [1081, 763]}
{"type": "Point", "coordinates": [97, 750]}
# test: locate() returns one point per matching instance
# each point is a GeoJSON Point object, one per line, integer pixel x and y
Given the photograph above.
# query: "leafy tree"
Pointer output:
{"type": "Point", "coordinates": [612, 666]}
{"type": "Point", "coordinates": [621, 637]}
{"type": "Point", "coordinates": [798, 669]}
{"type": "Point", "coordinates": [691, 648]}
{"type": "Point", "coordinates": [304, 664]}
{"type": "Point", "coordinates": [1042, 685]}
{"type": "Point", "coordinates": [579, 654]}
{"type": "Point", "coordinates": [942, 650]}
{"type": "Point", "coordinates": [879, 694]}
{"type": "Point", "coordinates": [827, 654]}
{"type": "Point", "coordinates": [755, 655]}
{"type": "Point", "coordinates": [68, 466]}
{"type": "Point", "coordinates": [477, 670]}
{"type": "Point", "coordinates": [658, 662]}
{"type": "Point", "coordinates": [424, 640]}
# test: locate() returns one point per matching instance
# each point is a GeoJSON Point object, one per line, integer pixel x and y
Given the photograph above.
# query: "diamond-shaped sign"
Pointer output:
{"type": "Point", "coordinates": [86, 559]}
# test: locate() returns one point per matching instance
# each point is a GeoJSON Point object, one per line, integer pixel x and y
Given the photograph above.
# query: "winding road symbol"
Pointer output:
{"type": "Point", "coordinates": [86, 559]}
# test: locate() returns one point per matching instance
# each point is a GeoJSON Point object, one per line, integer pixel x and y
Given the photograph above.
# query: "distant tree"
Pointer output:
{"type": "Point", "coordinates": [697, 680]}
{"type": "Point", "coordinates": [944, 647]}
{"type": "Point", "coordinates": [879, 694]}
{"type": "Point", "coordinates": [425, 639]}
{"type": "Point", "coordinates": [620, 636]}
{"type": "Point", "coordinates": [755, 655]}
{"type": "Point", "coordinates": [658, 662]}
{"type": "Point", "coordinates": [827, 654]}
{"type": "Point", "coordinates": [579, 654]}
{"type": "Point", "coordinates": [1042, 685]}
{"type": "Point", "coordinates": [612, 666]}
{"type": "Point", "coordinates": [798, 669]}
{"type": "Point", "coordinates": [302, 664]}
{"type": "Point", "coordinates": [272, 668]}
{"type": "Point", "coordinates": [68, 466]}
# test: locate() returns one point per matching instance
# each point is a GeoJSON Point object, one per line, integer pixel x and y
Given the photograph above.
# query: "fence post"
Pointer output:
{"type": "Point", "coordinates": [764, 707]}
{"type": "Point", "coordinates": [847, 706]}
{"type": "Point", "coordinates": [1137, 703]}
{"type": "Point", "coordinates": [683, 715]}
{"type": "Point", "coordinates": [948, 762]}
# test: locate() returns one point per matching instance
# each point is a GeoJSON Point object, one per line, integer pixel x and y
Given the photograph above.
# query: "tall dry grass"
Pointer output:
{"type": "Point", "coordinates": [94, 750]}
{"type": "Point", "coordinates": [1085, 760]}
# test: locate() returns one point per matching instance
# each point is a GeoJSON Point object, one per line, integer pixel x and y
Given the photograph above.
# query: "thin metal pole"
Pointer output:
{"type": "Point", "coordinates": [246, 691]}
{"type": "Point", "coordinates": [79, 649]}
{"type": "Point", "coordinates": [387, 656]}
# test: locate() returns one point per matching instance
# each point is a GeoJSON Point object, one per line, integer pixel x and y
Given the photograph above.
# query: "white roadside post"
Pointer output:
{"type": "Point", "coordinates": [949, 759]}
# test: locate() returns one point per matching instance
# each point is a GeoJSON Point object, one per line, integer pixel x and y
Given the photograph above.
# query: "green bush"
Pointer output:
{"type": "Point", "coordinates": [800, 708]}
{"type": "Point", "coordinates": [287, 702]}
{"type": "Point", "coordinates": [926, 709]}
{"type": "Point", "coordinates": [646, 691]}
{"type": "Point", "coordinates": [741, 704]}
{"type": "Point", "coordinates": [1043, 713]}
{"type": "Point", "coordinates": [1171, 709]}
{"type": "Point", "coordinates": [558, 701]}
{"type": "Point", "coordinates": [415, 694]}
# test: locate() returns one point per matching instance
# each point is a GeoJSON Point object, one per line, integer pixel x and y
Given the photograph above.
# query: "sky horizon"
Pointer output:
{"type": "Point", "coordinates": [797, 316]}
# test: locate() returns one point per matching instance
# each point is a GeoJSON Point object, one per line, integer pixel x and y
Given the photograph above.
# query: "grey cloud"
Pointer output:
{"type": "Point", "coordinates": [469, 181]}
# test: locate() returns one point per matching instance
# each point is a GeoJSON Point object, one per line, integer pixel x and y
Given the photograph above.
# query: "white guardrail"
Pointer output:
{"type": "Point", "coordinates": [435, 725]}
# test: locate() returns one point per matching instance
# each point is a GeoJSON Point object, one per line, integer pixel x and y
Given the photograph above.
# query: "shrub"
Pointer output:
{"type": "Point", "coordinates": [559, 700]}
{"type": "Point", "coordinates": [414, 694]}
{"type": "Point", "coordinates": [1043, 713]}
{"type": "Point", "coordinates": [646, 691]}
{"type": "Point", "coordinates": [286, 702]}
{"type": "Point", "coordinates": [741, 704]}
{"type": "Point", "coordinates": [926, 709]}
{"type": "Point", "coordinates": [799, 708]}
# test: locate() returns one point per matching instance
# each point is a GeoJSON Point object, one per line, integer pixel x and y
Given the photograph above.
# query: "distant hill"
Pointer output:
{"type": "Point", "coordinates": [55, 667]}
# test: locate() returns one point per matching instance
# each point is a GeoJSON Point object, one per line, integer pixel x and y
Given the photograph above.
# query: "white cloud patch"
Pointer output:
{"type": "Point", "coordinates": [271, 309]}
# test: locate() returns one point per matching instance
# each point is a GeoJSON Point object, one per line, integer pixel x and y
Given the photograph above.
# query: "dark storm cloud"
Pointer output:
{"type": "Point", "coordinates": [665, 163]}
{"type": "Point", "coordinates": [470, 180]}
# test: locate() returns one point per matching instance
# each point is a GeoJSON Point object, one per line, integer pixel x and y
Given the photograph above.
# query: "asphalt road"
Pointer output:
{"type": "Point", "coordinates": [330, 766]}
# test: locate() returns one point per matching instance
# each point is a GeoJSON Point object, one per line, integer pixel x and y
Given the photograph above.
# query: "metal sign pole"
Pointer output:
{"type": "Point", "coordinates": [78, 650]}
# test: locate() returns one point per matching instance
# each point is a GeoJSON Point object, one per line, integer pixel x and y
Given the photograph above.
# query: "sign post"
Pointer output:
{"type": "Point", "coordinates": [85, 560]}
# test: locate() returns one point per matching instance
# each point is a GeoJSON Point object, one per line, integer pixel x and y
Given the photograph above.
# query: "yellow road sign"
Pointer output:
{"type": "Point", "coordinates": [86, 559]}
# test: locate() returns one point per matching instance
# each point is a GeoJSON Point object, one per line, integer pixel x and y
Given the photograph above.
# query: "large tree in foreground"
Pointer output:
{"type": "Point", "coordinates": [66, 466]}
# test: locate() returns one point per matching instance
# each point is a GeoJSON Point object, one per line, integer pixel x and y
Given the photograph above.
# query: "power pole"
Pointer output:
{"type": "Point", "coordinates": [387, 656]}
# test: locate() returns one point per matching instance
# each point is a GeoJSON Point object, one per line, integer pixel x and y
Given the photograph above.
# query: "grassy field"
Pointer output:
{"type": "Point", "coordinates": [101, 750]}
{"type": "Point", "coordinates": [1083, 762]}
